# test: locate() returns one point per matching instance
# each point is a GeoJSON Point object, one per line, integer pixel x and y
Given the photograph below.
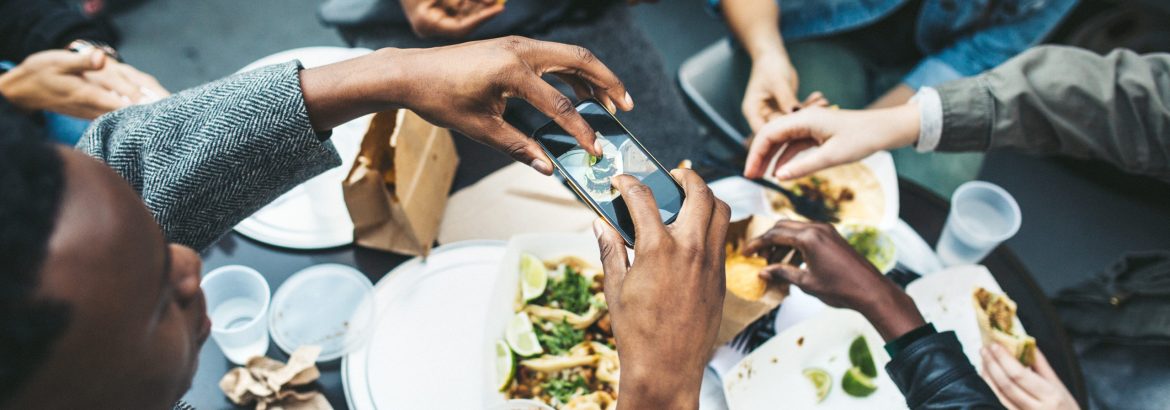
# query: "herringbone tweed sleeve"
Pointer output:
{"type": "Point", "coordinates": [206, 158]}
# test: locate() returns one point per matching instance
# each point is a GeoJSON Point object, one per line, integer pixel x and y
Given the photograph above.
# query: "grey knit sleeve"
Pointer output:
{"type": "Point", "coordinates": [206, 158]}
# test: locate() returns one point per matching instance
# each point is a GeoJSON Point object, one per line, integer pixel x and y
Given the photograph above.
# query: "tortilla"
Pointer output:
{"type": "Point", "coordinates": [866, 205]}
{"type": "Point", "coordinates": [998, 324]}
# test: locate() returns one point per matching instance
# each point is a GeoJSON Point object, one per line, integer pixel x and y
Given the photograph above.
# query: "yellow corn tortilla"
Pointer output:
{"type": "Point", "coordinates": [868, 203]}
{"type": "Point", "coordinates": [743, 275]}
{"type": "Point", "coordinates": [998, 324]}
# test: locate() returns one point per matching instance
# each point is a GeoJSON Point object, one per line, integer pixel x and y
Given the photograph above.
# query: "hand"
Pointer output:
{"type": "Point", "coordinates": [666, 307]}
{"type": "Point", "coordinates": [54, 81]}
{"type": "Point", "coordinates": [465, 87]}
{"type": "Point", "coordinates": [843, 136]}
{"type": "Point", "coordinates": [452, 19]}
{"type": "Point", "coordinates": [1021, 388]}
{"type": "Point", "coordinates": [838, 276]}
{"type": "Point", "coordinates": [137, 87]}
{"type": "Point", "coordinates": [771, 90]}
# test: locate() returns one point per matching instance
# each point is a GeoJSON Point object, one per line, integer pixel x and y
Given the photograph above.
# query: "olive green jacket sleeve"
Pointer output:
{"type": "Point", "coordinates": [1070, 102]}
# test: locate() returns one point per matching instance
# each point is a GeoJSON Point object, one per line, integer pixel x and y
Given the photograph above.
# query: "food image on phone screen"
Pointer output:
{"type": "Point", "coordinates": [622, 154]}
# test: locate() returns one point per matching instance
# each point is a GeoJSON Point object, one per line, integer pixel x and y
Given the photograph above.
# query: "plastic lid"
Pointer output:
{"type": "Point", "coordinates": [329, 305]}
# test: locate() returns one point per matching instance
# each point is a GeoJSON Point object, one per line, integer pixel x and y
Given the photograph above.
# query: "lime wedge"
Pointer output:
{"type": "Point", "coordinates": [521, 337]}
{"type": "Point", "coordinates": [821, 381]}
{"type": "Point", "coordinates": [860, 356]}
{"type": "Point", "coordinates": [505, 369]}
{"type": "Point", "coordinates": [533, 276]}
{"type": "Point", "coordinates": [857, 384]}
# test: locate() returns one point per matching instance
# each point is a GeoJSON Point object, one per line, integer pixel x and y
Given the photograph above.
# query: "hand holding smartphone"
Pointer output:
{"type": "Point", "coordinates": [590, 176]}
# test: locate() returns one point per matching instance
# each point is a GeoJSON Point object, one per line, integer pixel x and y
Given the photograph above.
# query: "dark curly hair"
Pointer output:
{"type": "Point", "coordinates": [31, 182]}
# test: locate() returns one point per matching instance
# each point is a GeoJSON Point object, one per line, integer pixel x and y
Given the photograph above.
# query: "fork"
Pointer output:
{"type": "Point", "coordinates": [813, 210]}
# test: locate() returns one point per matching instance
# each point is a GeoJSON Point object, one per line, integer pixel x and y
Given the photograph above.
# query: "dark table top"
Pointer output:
{"type": "Point", "coordinates": [923, 210]}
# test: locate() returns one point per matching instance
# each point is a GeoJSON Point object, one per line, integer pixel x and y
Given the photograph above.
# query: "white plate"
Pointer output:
{"type": "Point", "coordinates": [944, 298]}
{"type": "Point", "coordinates": [507, 285]}
{"type": "Point", "coordinates": [772, 376]}
{"type": "Point", "coordinates": [747, 198]}
{"type": "Point", "coordinates": [311, 215]}
{"type": "Point", "coordinates": [427, 344]}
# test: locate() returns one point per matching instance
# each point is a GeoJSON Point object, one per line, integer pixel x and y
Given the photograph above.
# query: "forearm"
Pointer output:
{"type": "Point", "coordinates": [756, 24]}
{"type": "Point", "coordinates": [891, 311]}
{"type": "Point", "coordinates": [934, 373]}
{"type": "Point", "coordinates": [1064, 101]}
{"type": "Point", "coordinates": [206, 158]}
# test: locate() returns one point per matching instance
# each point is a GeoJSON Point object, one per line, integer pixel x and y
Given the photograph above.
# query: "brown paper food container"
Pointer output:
{"type": "Point", "coordinates": [739, 312]}
{"type": "Point", "coordinates": [397, 189]}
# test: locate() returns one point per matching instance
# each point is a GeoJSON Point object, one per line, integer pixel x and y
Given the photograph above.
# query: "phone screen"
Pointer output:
{"type": "Point", "coordinates": [623, 154]}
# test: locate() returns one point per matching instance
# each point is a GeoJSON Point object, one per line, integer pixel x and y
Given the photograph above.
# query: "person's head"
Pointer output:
{"type": "Point", "coordinates": [98, 310]}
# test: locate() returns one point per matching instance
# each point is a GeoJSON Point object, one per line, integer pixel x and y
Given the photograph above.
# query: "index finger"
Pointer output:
{"type": "Point", "coordinates": [550, 102]}
{"type": "Point", "coordinates": [767, 141]}
{"type": "Point", "coordinates": [643, 209]}
{"type": "Point", "coordinates": [695, 216]}
{"type": "Point", "coordinates": [580, 62]}
{"type": "Point", "coordinates": [784, 233]}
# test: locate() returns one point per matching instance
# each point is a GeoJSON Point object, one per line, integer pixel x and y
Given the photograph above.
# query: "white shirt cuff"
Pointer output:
{"type": "Point", "coordinates": [930, 121]}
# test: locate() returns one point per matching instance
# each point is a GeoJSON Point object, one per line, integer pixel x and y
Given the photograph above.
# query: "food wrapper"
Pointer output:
{"type": "Point", "coordinates": [397, 189]}
{"type": "Point", "coordinates": [272, 385]}
{"type": "Point", "coordinates": [748, 297]}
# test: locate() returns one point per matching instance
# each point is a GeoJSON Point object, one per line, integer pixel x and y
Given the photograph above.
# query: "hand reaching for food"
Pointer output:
{"type": "Point", "coordinates": [771, 90]}
{"type": "Point", "coordinates": [135, 86]}
{"type": "Point", "coordinates": [843, 136]}
{"type": "Point", "coordinates": [665, 308]}
{"type": "Point", "coordinates": [1024, 388]}
{"type": "Point", "coordinates": [450, 19]}
{"type": "Point", "coordinates": [837, 275]}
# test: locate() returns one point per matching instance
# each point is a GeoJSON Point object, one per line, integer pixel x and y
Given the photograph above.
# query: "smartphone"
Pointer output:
{"type": "Point", "coordinates": [590, 176]}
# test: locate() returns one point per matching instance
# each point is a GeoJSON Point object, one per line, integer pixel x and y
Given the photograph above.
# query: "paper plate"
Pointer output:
{"type": "Point", "coordinates": [772, 375]}
{"type": "Point", "coordinates": [944, 298]}
{"type": "Point", "coordinates": [312, 215]}
{"type": "Point", "coordinates": [426, 350]}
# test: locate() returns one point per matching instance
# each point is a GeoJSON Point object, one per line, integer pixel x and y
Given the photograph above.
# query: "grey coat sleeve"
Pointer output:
{"type": "Point", "coordinates": [206, 158]}
{"type": "Point", "coordinates": [1066, 101]}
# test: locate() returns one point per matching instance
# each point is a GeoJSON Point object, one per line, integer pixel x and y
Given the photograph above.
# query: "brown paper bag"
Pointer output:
{"type": "Point", "coordinates": [397, 188]}
{"type": "Point", "coordinates": [738, 312]}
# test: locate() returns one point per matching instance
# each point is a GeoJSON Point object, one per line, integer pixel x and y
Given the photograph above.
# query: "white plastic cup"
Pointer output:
{"type": "Point", "coordinates": [237, 302]}
{"type": "Point", "coordinates": [983, 215]}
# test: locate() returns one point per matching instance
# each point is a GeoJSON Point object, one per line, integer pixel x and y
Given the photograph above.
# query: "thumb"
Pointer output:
{"type": "Point", "coordinates": [782, 272]}
{"type": "Point", "coordinates": [614, 260]}
{"type": "Point", "coordinates": [77, 63]}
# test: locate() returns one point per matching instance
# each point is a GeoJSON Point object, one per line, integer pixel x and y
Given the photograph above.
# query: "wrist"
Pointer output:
{"type": "Point", "coordinates": [906, 121]}
{"type": "Point", "coordinates": [340, 92]}
{"type": "Point", "coordinates": [891, 311]}
{"type": "Point", "coordinates": [645, 386]}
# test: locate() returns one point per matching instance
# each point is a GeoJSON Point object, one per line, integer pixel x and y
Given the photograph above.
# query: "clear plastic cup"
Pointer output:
{"type": "Point", "coordinates": [983, 215]}
{"type": "Point", "coordinates": [237, 302]}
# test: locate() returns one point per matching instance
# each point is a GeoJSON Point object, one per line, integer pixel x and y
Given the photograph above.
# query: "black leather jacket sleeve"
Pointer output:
{"type": "Point", "coordinates": [933, 373]}
{"type": "Point", "coordinates": [29, 26]}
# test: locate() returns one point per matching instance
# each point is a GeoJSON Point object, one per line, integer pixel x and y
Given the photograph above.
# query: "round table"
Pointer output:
{"type": "Point", "coordinates": [922, 209]}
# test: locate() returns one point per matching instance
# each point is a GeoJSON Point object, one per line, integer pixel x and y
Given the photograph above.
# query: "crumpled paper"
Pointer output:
{"type": "Point", "coordinates": [271, 385]}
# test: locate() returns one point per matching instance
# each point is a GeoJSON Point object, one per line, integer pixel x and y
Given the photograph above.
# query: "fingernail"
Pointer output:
{"type": "Point", "coordinates": [783, 173]}
{"type": "Point", "coordinates": [541, 166]}
{"type": "Point", "coordinates": [597, 147]}
{"type": "Point", "coordinates": [609, 106]}
{"type": "Point", "coordinates": [597, 228]}
{"type": "Point", "coordinates": [629, 101]}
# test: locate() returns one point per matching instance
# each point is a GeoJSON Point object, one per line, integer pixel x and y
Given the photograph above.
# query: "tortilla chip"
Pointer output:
{"type": "Point", "coordinates": [998, 324]}
{"type": "Point", "coordinates": [743, 275]}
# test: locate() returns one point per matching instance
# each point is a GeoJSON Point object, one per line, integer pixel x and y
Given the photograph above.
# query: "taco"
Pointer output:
{"type": "Point", "coordinates": [851, 192]}
{"type": "Point", "coordinates": [998, 324]}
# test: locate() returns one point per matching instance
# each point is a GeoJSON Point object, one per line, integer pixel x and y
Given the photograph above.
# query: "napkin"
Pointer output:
{"type": "Point", "coordinates": [271, 385]}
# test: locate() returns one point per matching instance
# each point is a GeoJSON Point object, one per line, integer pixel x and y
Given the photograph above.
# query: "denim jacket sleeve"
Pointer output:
{"type": "Point", "coordinates": [933, 373]}
{"type": "Point", "coordinates": [989, 46]}
{"type": "Point", "coordinates": [1065, 101]}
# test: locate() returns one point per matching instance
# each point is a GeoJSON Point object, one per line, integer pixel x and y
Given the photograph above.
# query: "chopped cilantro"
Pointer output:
{"type": "Point", "coordinates": [561, 338]}
{"type": "Point", "coordinates": [562, 389]}
{"type": "Point", "coordinates": [571, 293]}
